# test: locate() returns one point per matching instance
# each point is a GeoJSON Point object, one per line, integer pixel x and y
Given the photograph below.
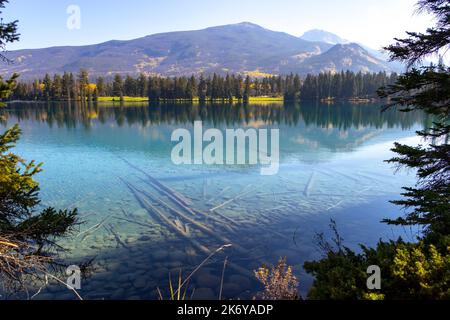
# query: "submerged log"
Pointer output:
{"type": "Point", "coordinates": [184, 234]}
{"type": "Point", "coordinates": [178, 198]}
{"type": "Point", "coordinates": [142, 224]}
{"type": "Point", "coordinates": [171, 196]}
{"type": "Point", "coordinates": [219, 195]}
{"type": "Point", "coordinates": [180, 201]}
{"type": "Point", "coordinates": [309, 185]}
{"type": "Point", "coordinates": [160, 185]}
{"type": "Point", "coordinates": [192, 211]}
{"type": "Point", "coordinates": [205, 186]}
{"type": "Point", "coordinates": [116, 237]}
{"type": "Point", "coordinates": [231, 200]}
{"type": "Point", "coordinates": [163, 218]}
{"type": "Point", "coordinates": [195, 223]}
{"type": "Point", "coordinates": [92, 229]}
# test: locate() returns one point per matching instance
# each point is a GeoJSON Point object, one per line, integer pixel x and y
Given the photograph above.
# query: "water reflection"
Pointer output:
{"type": "Point", "coordinates": [342, 116]}
{"type": "Point", "coordinates": [332, 166]}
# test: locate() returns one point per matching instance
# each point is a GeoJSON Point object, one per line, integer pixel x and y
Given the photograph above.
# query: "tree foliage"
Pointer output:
{"type": "Point", "coordinates": [419, 46]}
{"type": "Point", "coordinates": [8, 31]}
{"type": "Point", "coordinates": [292, 87]}
{"type": "Point", "coordinates": [409, 270]}
{"type": "Point", "coordinates": [426, 89]}
{"type": "Point", "coordinates": [27, 236]}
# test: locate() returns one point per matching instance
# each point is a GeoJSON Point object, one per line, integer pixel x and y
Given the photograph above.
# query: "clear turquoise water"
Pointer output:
{"type": "Point", "coordinates": [341, 146]}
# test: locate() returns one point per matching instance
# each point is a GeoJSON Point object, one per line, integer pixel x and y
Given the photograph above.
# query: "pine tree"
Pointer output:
{"type": "Point", "coordinates": [202, 88]}
{"type": "Point", "coordinates": [101, 86]}
{"type": "Point", "coordinates": [238, 90]}
{"type": "Point", "coordinates": [8, 32]}
{"type": "Point", "coordinates": [324, 85]}
{"type": "Point", "coordinates": [47, 87]}
{"type": "Point", "coordinates": [118, 86]}
{"type": "Point", "coordinates": [191, 88]}
{"type": "Point", "coordinates": [247, 89]}
{"type": "Point", "coordinates": [25, 234]}
{"type": "Point", "coordinates": [83, 82]}
{"type": "Point", "coordinates": [57, 89]}
{"type": "Point", "coordinates": [66, 85]}
{"type": "Point", "coordinates": [426, 89]}
{"type": "Point", "coordinates": [130, 87]}
{"type": "Point", "coordinates": [142, 85]}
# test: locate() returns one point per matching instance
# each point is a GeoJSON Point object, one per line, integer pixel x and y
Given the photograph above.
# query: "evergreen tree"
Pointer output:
{"type": "Point", "coordinates": [67, 86]}
{"type": "Point", "coordinates": [130, 87]}
{"type": "Point", "coordinates": [202, 89]}
{"type": "Point", "coordinates": [247, 89]}
{"type": "Point", "coordinates": [321, 86]}
{"type": "Point", "coordinates": [73, 88]}
{"type": "Point", "coordinates": [25, 234]}
{"type": "Point", "coordinates": [239, 86]}
{"type": "Point", "coordinates": [57, 88]}
{"type": "Point", "coordinates": [409, 270]}
{"type": "Point", "coordinates": [83, 82]}
{"type": "Point", "coordinates": [47, 87]}
{"type": "Point", "coordinates": [142, 86]}
{"type": "Point", "coordinates": [8, 32]}
{"type": "Point", "coordinates": [101, 86]}
{"type": "Point", "coordinates": [117, 86]}
{"type": "Point", "coordinates": [191, 88]}
{"type": "Point", "coordinates": [426, 89]}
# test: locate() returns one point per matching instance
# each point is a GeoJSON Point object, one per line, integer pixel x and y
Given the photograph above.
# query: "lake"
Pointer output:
{"type": "Point", "coordinates": [113, 163]}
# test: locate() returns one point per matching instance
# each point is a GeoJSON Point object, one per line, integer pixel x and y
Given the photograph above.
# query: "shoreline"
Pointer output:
{"type": "Point", "coordinates": [253, 100]}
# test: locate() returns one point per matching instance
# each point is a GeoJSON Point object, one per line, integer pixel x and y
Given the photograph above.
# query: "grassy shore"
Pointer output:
{"type": "Point", "coordinates": [125, 99]}
{"type": "Point", "coordinates": [146, 99]}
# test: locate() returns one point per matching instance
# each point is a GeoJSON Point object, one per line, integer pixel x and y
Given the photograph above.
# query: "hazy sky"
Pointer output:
{"type": "Point", "coordinates": [372, 22]}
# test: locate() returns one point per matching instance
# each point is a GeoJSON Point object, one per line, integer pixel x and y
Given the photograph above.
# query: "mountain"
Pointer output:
{"type": "Point", "coordinates": [238, 48]}
{"type": "Point", "coordinates": [340, 57]}
{"type": "Point", "coordinates": [331, 38]}
{"type": "Point", "coordinates": [323, 36]}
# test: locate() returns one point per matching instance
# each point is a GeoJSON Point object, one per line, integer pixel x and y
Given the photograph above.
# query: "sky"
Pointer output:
{"type": "Point", "coordinates": [43, 23]}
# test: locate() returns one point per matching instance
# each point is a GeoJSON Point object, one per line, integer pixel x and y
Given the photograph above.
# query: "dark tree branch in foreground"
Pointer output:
{"type": "Point", "coordinates": [8, 32]}
{"type": "Point", "coordinates": [419, 46]}
{"type": "Point", "coordinates": [408, 270]}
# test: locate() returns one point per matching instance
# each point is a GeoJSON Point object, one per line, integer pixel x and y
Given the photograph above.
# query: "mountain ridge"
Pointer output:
{"type": "Point", "coordinates": [244, 48]}
{"type": "Point", "coordinates": [323, 36]}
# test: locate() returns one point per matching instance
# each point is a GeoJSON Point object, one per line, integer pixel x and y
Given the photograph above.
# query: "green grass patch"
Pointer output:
{"type": "Point", "coordinates": [264, 99]}
{"type": "Point", "coordinates": [125, 99]}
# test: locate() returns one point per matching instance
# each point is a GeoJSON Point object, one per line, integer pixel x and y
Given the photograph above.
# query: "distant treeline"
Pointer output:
{"type": "Point", "coordinates": [68, 86]}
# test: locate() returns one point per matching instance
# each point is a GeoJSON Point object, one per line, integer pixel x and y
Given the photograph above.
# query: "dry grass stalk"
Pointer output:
{"type": "Point", "coordinates": [17, 261]}
{"type": "Point", "coordinates": [180, 293]}
{"type": "Point", "coordinates": [21, 267]}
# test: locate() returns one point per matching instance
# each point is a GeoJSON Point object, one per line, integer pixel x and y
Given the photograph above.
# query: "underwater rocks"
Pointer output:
{"type": "Point", "coordinates": [231, 290]}
{"type": "Point", "coordinates": [118, 294]}
{"type": "Point", "coordinates": [243, 282]}
{"type": "Point", "coordinates": [208, 280]}
{"type": "Point", "coordinates": [140, 213]}
{"type": "Point", "coordinates": [161, 273]}
{"type": "Point", "coordinates": [144, 238]}
{"type": "Point", "coordinates": [140, 283]}
{"type": "Point", "coordinates": [159, 255]}
{"type": "Point", "coordinates": [177, 255]}
{"type": "Point", "coordinates": [204, 294]}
